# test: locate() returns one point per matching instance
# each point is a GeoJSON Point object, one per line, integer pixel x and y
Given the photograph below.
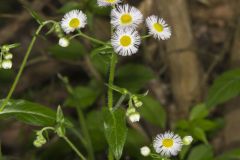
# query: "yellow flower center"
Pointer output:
{"type": "Point", "coordinates": [125, 41]}
{"type": "Point", "coordinates": [158, 27]}
{"type": "Point", "coordinates": [110, 1]}
{"type": "Point", "coordinates": [167, 143]}
{"type": "Point", "coordinates": [126, 18]}
{"type": "Point", "coordinates": [74, 23]}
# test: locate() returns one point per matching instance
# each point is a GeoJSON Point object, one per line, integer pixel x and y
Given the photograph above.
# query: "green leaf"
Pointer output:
{"type": "Point", "coordinates": [74, 51]}
{"type": "Point", "coordinates": [230, 155]}
{"type": "Point", "coordinates": [133, 76]}
{"type": "Point", "coordinates": [34, 14]}
{"type": "Point", "coordinates": [94, 122]}
{"type": "Point", "coordinates": [201, 152]}
{"type": "Point", "coordinates": [224, 88]}
{"type": "Point", "coordinates": [198, 112]}
{"type": "Point", "coordinates": [115, 131]}
{"type": "Point", "coordinates": [153, 112]}
{"type": "Point", "coordinates": [199, 134]}
{"type": "Point", "coordinates": [28, 112]}
{"type": "Point", "coordinates": [100, 62]}
{"type": "Point", "coordinates": [206, 125]}
{"type": "Point", "coordinates": [184, 152]}
{"type": "Point", "coordinates": [82, 97]}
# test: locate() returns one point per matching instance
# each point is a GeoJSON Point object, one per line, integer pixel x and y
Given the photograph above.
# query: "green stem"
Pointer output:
{"type": "Point", "coordinates": [74, 148]}
{"type": "Point", "coordinates": [110, 155]}
{"type": "Point", "coordinates": [111, 80]}
{"type": "Point", "coordinates": [22, 66]}
{"type": "Point", "coordinates": [88, 37]}
{"type": "Point", "coordinates": [119, 102]}
{"type": "Point", "coordinates": [84, 128]}
{"type": "Point", "coordinates": [146, 36]}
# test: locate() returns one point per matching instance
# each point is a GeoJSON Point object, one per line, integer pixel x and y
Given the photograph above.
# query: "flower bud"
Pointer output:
{"type": "Point", "coordinates": [145, 151]}
{"type": "Point", "coordinates": [5, 48]}
{"type": "Point", "coordinates": [138, 104]}
{"type": "Point", "coordinates": [37, 144]}
{"type": "Point", "coordinates": [63, 42]}
{"type": "Point", "coordinates": [6, 64]}
{"type": "Point", "coordinates": [187, 140]}
{"type": "Point", "coordinates": [134, 117]}
{"type": "Point", "coordinates": [130, 110]}
{"type": "Point", "coordinates": [8, 56]}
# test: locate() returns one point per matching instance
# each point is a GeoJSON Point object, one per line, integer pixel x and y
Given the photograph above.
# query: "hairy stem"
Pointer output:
{"type": "Point", "coordinates": [22, 66]}
{"type": "Point", "coordinates": [89, 38]}
{"type": "Point", "coordinates": [74, 148]}
{"type": "Point", "coordinates": [111, 80]}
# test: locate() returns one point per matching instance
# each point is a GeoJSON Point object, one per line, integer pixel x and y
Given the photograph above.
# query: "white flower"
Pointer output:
{"type": "Point", "coordinates": [134, 117]}
{"type": "Point", "coordinates": [126, 42]}
{"type": "Point", "coordinates": [187, 140]}
{"type": "Point", "coordinates": [158, 28]}
{"type": "Point", "coordinates": [108, 2]}
{"type": "Point", "coordinates": [8, 56]}
{"type": "Point", "coordinates": [63, 42]}
{"type": "Point", "coordinates": [6, 64]}
{"type": "Point", "coordinates": [73, 20]}
{"type": "Point", "coordinates": [145, 151]}
{"type": "Point", "coordinates": [167, 144]}
{"type": "Point", "coordinates": [125, 16]}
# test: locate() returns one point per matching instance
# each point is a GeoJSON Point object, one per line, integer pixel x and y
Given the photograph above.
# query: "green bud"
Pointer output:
{"type": "Point", "coordinates": [138, 104]}
{"type": "Point", "coordinates": [5, 48]}
{"type": "Point", "coordinates": [37, 144]}
{"type": "Point", "coordinates": [8, 56]}
{"type": "Point", "coordinates": [130, 110]}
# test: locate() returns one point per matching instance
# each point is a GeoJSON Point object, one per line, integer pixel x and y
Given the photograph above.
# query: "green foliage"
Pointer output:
{"type": "Point", "coordinates": [60, 128]}
{"type": "Point", "coordinates": [198, 112]}
{"type": "Point", "coordinates": [28, 112]}
{"type": "Point", "coordinates": [230, 155]}
{"type": "Point", "coordinates": [153, 112]}
{"type": "Point", "coordinates": [74, 51]}
{"type": "Point", "coordinates": [82, 97]}
{"type": "Point", "coordinates": [201, 152]}
{"type": "Point", "coordinates": [224, 88]}
{"type": "Point", "coordinates": [36, 16]}
{"type": "Point", "coordinates": [68, 7]}
{"type": "Point", "coordinates": [133, 76]}
{"type": "Point", "coordinates": [115, 131]}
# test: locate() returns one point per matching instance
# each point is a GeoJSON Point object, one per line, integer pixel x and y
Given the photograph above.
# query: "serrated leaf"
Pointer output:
{"type": "Point", "coordinates": [198, 112]}
{"type": "Point", "coordinates": [201, 152]}
{"type": "Point", "coordinates": [115, 130]}
{"type": "Point", "coordinates": [133, 76]}
{"type": "Point", "coordinates": [224, 88]}
{"type": "Point", "coordinates": [153, 112]}
{"type": "Point", "coordinates": [28, 112]}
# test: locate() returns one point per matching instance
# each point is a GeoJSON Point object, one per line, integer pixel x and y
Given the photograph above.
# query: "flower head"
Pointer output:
{"type": "Point", "coordinates": [125, 16]}
{"type": "Point", "coordinates": [134, 117]}
{"type": "Point", "coordinates": [126, 42]}
{"type": "Point", "coordinates": [73, 20]}
{"type": "Point", "coordinates": [167, 144]}
{"type": "Point", "coordinates": [6, 64]}
{"type": "Point", "coordinates": [145, 151]}
{"type": "Point", "coordinates": [187, 140]}
{"type": "Point", "coordinates": [63, 42]}
{"type": "Point", "coordinates": [158, 28]}
{"type": "Point", "coordinates": [108, 2]}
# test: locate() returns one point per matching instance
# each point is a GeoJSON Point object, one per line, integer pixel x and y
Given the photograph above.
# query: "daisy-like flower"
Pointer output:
{"type": "Point", "coordinates": [108, 2]}
{"type": "Point", "coordinates": [158, 28]}
{"type": "Point", "coordinates": [125, 16]}
{"type": "Point", "coordinates": [126, 42]}
{"type": "Point", "coordinates": [167, 144]}
{"type": "Point", "coordinates": [73, 20]}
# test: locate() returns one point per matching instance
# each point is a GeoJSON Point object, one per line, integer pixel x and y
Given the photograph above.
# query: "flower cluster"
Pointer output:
{"type": "Point", "coordinates": [167, 144]}
{"type": "Point", "coordinates": [132, 113]}
{"type": "Point", "coordinates": [6, 56]}
{"type": "Point", "coordinates": [125, 20]}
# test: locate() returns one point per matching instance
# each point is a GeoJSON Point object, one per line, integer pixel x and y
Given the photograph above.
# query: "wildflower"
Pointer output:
{"type": "Point", "coordinates": [158, 28]}
{"type": "Point", "coordinates": [6, 64]}
{"type": "Point", "coordinates": [125, 16]}
{"type": "Point", "coordinates": [108, 2]}
{"type": "Point", "coordinates": [167, 144]}
{"type": "Point", "coordinates": [187, 140]}
{"type": "Point", "coordinates": [145, 151]}
{"type": "Point", "coordinates": [125, 42]}
{"type": "Point", "coordinates": [73, 20]}
{"type": "Point", "coordinates": [63, 42]}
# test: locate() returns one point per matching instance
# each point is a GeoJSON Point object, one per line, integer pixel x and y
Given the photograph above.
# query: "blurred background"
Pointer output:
{"type": "Point", "coordinates": [205, 43]}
